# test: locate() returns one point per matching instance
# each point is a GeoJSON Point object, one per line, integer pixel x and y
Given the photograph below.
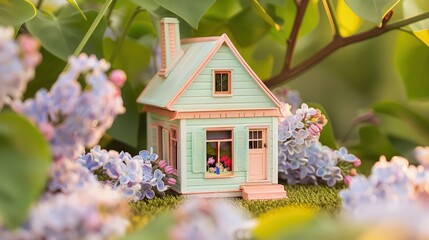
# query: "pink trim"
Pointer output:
{"type": "Point", "coordinates": [199, 39]}
{"type": "Point", "coordinates": [227, 114]}
{"type": "Point", "coordinates": [159, 111]}
{"type": "Point", "coordinates": [252, 73]}
{"type": "Point", "coordinates": [223, 39]}
{"type": "Point", "coordinates": [174, 128]}
{"type": "Point", "coordinates": [213, 129]}
{"type": "Point", "coordinates": [220, 93]}
{"type": "Point", "coordinates": [195, 74]}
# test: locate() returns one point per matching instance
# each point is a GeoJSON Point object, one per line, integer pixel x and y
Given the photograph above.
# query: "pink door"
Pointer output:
{"type": "Point", "coordinates": [257, 155]}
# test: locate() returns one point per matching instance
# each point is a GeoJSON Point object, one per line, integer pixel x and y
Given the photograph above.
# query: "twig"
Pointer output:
{"type": "Point", "coordinates": [123, 35]}
{"type": "Point", "coordinates": [291, 41]}
{"type": "Point", "coordinates": [109, 13]}
{"type": "Point", "coordinates": [335, 44]}
{"type": "Point", "coordinates": [39, 4]}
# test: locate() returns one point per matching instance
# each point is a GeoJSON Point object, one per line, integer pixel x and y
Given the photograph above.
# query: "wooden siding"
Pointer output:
{"type": "Point", "coordinates": [155, 119]}
{"type": "Point", "coordinates": [246, 93]}
{"type": "Point", "coordinates": [195, 179]}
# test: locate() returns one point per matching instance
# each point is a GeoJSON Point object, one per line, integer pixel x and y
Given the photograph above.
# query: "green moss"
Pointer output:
{"type": "Point", "coordinates": [319, 197]}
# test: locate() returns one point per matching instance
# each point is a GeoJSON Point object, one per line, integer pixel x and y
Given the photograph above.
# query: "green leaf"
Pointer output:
{"type": "Point", "coordinates": [245, 33]}
{"type": "Point", "coordinates": [133, 58]}
{"type": "Point", "coordinates": [125, 128]}
{"type": "Point", "coordinates": [47, 73]}
{"type": "Point", "coordinates": [412, 62]}
{"type": "Point", "coordinates": [24, 166]}
{"type": "Point", "coordinates": [189, 10]}
{"type": "Point", "coordinates": [262, 13]}
{"type": "Point", "coordinates": [16, 12]}
{"type": "Point", "coordinates": [403, 122]}
{"type": "Point", "coordinates": [158, 229]}
{"type": "Point", "coordinates": [372, 10]}
{"type": "Point", "coordinates": [348, 21]}
{"type": "Point", "coordinates": [421, 28]}
{"type": "Point", "coordinates": [327, 136]}
{"type": "Point", "coordinates": [287, 12]}
{"type": "Point", "coordinates": [61, 34]}
{"type": "Point", "coordinates": [374, 143]}
{"type": "Point", "coordinates": [76, 6]}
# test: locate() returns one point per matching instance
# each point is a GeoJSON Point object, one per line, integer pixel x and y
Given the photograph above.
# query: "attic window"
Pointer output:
{"type": "Point", "coordinates": [222, 82]}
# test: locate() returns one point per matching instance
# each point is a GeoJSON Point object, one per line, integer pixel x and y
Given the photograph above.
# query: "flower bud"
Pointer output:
{"type": "Point", "coordinates": [168, 169]}
{"type": "Point", "coordinates": [357, 162]}
{"type": "Point", "coordinates": [162, 164]}
{"type": "Point", "coordinates": [315, 129]}
{"type": "Point", "coordinates": [171, 181]}
{"type": "Point", "coordinates": [47, 130]}
{"type": "Point", "coordinates": [352, 172]}
{"type": "Point", "coordinates": [348, 180]}
{"type": "Point", "coordinates": [118, 77]}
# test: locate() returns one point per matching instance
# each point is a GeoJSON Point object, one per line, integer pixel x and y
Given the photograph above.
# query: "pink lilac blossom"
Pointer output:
{"type": "Point", "coordinates": [210, 219]}
{"type": "Point", "coordinates": [395, 194]}
{"type": "Point", "coordinates": [90, 212]}
{"type": "Point", "coordinates": [18, 61]}
{"type": "Point", "coordinates": [74, 118]}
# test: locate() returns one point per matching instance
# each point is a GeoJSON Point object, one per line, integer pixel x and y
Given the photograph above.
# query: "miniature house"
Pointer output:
{"type": "Point", "coordinates": [212, 119]}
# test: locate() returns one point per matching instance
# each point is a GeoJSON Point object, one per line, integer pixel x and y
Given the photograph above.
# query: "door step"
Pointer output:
{"type": "Point", "coordinates": [263, 191]}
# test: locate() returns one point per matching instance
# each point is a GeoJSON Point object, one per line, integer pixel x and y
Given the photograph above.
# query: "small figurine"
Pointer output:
{"type": "Point", "coordinates": [212, 119]}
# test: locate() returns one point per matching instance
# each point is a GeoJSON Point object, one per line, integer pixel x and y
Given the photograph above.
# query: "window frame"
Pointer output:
{"type": "Point", "coordinates": [174, 139]}
{"type": "Point", "coordinates": [219, 141]}
{"type": "Point", "coordinates": [222, 93]}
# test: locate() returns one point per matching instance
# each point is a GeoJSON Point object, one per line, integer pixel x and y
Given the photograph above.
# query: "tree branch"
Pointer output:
{"type": "Point", "coordinates": [337, 43]}
{"type": "Point", "coordinates": [291, 41]}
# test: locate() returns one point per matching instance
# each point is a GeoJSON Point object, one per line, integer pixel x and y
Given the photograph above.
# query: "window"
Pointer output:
{"type": "Point", "coordinates": [219, 159]}
{"type": "Point", "coordinates": [255, 139]}
{"type": "Point", "coordinates": [160, 145]}
{"type": "Point", "coordinates": [222, 82]}
{"type": "Point", "coordinates": [173, 143]}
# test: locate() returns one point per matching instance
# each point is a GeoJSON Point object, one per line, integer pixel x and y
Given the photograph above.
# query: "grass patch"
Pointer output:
{"type": "Point", "coordinates": [319, 197]}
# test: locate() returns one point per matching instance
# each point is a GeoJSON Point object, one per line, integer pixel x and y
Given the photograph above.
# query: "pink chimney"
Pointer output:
{"type": "Point", "coordinates": [170, 44]}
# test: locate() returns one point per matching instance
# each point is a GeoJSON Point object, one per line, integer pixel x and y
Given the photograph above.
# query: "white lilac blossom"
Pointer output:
{"type": "Point", "coordinates": [73, 118]}
{"type": "Point", "coordinates": [90, 212]}
{"type": "Point", "coordinates": [210, 219]}
{"type": "Point", "coordinates": [18, 61]}
{"type": "Point", "coordinates": [302, 158]}
{"type": "Point", "coordinates": [396, 193]}
{"type": "Point", "coordinates": [390, 181]}
{"type": "Point", "coordinates": [135, 177]}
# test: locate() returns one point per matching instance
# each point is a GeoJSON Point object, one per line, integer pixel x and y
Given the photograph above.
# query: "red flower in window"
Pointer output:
{"type": "Point", "coordinates": [226, 161]}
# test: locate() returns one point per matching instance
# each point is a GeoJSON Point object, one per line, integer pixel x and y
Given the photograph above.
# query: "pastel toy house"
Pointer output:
{"type": "Point", "coordinates": [212, 118]}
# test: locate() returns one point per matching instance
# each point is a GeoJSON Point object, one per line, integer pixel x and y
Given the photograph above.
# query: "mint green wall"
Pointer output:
{"type": "Point", "coordinates": [152, 137]}
{"type": "Point", "coordinates": [246, 93]}
{"type": "Point", "coordinates": [195, 174]}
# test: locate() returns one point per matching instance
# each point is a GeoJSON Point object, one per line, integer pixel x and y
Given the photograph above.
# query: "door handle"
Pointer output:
{"type": "Point", "coordinates": [265, 145]}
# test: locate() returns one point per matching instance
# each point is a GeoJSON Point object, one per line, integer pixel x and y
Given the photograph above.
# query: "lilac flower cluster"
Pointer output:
{"type": "Point", "coordinates": [210, 219]}
{"type": "Point", "coordinates": [70, 117]}
{"type": "Point", "coordinates": [90, 212]}
{"type": "Point", "coordinates": [135, 177]}
{"type": "Point", "coordinates": [390, 181]}
{"type": "Point", "coordinates": [302, 158]}
{"type": "Point", "coordinates": [18, 60]}
{"type": "Point", "coordinates": [396, 193]}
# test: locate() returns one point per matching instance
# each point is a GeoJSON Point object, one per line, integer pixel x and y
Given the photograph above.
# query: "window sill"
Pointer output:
{"type": "Point", "coordinates": [222, 95]}
{"type": "Point", "coordinates": [216, 176]}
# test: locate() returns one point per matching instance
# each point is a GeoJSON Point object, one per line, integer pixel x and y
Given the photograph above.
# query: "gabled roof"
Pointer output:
{"type": "Point", "coordinates": [164, 92]}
